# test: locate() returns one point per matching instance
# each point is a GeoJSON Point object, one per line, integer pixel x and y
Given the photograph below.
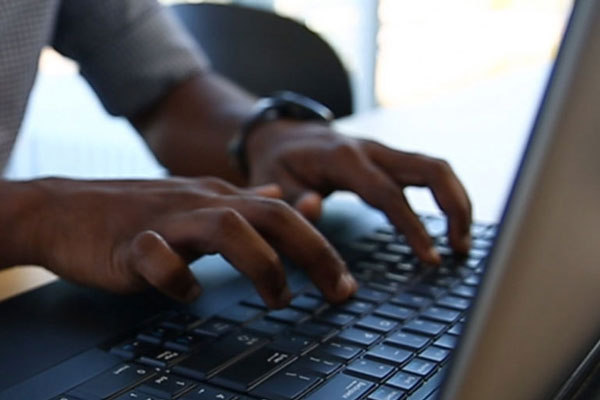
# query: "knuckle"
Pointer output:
{"type": "Point", "coordinates": [440, 168]}
{"type": "Point", "coordinates": [215, 184]}
{"type": "Point", "coordinates": [227, 218]}
{"type": "Point", "coordinates": [346, 150]}
{"type": "Point", "coordinates": [276, 211]}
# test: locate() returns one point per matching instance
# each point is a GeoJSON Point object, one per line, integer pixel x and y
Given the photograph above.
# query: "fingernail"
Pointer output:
{"type": "Point", "coordinates": [345, 285]}
{"type": "Point", "coordinates": [193, 293]}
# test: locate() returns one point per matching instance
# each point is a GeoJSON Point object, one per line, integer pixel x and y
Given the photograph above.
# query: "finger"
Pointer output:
{"type": "Point", "coordinates": [449, 193]}
{"type": "Point", "coordinates": [295, 237]}
{"type": "Point", "coordinates": [154, 260]}
{"type": "Point", "coordinates": [310, 204]}
{"type": "Point", "coordinates": [271, 190]}
{"type": "Point", "coordinates": [306, 201]}
{"type": "Point", "coordinates": [380, 191]}
{"type": "Point", "coordinates": [225, 231]}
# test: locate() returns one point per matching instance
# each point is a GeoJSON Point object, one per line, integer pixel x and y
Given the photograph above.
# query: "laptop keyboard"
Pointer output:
{"type": "Point", "coordinates": [390, 341]}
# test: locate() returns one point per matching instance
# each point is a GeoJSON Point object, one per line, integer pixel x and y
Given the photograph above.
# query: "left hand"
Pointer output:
{"type": "Point", "coordinates": [309, 161]}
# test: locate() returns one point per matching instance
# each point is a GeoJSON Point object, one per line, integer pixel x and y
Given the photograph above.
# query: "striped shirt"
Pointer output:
{"type": "Point", "coordinates": [130, 51]}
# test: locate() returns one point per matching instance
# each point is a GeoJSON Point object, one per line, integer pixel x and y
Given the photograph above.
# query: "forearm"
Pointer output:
{"type": "Point", "coordinates": [20, 202]}
{"type": "Point", "coordinates": [190, 128]}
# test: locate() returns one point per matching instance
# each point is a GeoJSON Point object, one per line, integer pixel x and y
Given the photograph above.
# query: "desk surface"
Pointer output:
{"type": "Point", "coordinates": [480, 131]}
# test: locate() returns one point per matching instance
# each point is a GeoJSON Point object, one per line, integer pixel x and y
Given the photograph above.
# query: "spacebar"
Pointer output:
{"type": "Point", "coordinates": [429, 387]}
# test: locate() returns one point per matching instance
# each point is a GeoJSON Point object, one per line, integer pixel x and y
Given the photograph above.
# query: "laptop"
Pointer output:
{"type": "Point", "coordinates": [515, 319]}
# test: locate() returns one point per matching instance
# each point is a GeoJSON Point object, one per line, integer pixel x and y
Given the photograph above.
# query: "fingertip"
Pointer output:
{"type": "Point", "coordinates": [310, 205]}
{"type": "Point", "coordinates": [345, 287]}
{"type": "Point", "coordinates": [193, 293]}
{"type": "Point", "coordinates": [271, 190]}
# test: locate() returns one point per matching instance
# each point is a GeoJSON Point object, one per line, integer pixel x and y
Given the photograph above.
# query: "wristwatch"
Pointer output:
{"type": "Point", "coordinates": [281, 105]}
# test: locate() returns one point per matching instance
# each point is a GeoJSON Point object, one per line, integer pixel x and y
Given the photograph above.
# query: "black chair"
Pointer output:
{"type": "Point", "coordinates": [264, 53]}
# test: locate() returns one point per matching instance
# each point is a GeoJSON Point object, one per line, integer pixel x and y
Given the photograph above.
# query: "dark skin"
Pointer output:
{"type": "Point", "coordinates": [127, 235]}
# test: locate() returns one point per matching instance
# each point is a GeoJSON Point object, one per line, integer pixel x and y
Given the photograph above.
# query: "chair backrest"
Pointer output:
{"type": "Point", "coordinates": [264, 52]}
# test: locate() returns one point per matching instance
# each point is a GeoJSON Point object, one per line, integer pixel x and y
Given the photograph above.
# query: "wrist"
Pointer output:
{"type": "Point", "coordinates": [22, 202]}
{"type": "Point", "coordinates": [283, 106]}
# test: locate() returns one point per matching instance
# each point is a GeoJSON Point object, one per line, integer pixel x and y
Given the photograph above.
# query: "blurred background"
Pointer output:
{"type": "Point", "coordinates": [400, 54]}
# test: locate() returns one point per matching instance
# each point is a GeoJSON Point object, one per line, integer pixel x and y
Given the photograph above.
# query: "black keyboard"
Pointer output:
{"type": "Point", "coordinates": [391, 341]}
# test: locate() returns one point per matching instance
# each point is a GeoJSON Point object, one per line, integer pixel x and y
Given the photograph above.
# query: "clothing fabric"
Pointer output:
{"type": "Point", "coordinates": [130, 51]}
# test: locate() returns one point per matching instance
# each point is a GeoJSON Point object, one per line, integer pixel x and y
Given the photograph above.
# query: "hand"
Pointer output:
{"type": "Point", "coordinates": [127, 235]}
{"type": "Point", "coordinates": [309, 161]}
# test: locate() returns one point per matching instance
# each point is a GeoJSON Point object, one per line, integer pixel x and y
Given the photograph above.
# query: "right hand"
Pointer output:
{"type": "Point", "coordinates": [127, 235]}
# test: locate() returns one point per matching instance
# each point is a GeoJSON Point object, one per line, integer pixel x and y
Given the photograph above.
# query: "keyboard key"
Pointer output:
{"type": "Point", "coordinates": [131, 395]}
{"type": "Point", "coordinates": [392, 354]}
{"type": "Point", "coordinates": [131, 349]}
{"type": "Point", "coordinates": [456, 329]}
{"type": "Point", "coordinates": [112, 381]}
{"type": "Point", "coordinates": [266, 327]}
{"type": "Point", "coordinates": [387, 393]}
{"type": "Point", "coordinates": [214, 327]}
{"type": "Point", "coordinates": [255, 301]}
{"type": "Point", "coordinates": [165, 386]}
{"type": "Point", "coordinates": [248, 371]}
{"type": "Point", "coordinates": [400, 278]}
{"type": "Point", "coordinates": [441, 314]}
{"type": "Point", "coordinates": [219, 355]}
{"type": "Point", "coordinates": [435, 353]}
{"type": "Point", "coordinates": [363, 247]}
{"type": "Point", "coordinates": [378, 324]}
{"type": "Point", "coordinates": [286, 385]}
{"type": "Point", "coordinates": [181, 321]}
{"type": "Point", "coordinates": [472, 280]}
{"type": "Point", "coordinates": [315, 330]}
{"type": "Point", "coordinates": [420, 367]}
{"type": "Point", "coordinates": [464, 291]}
{"type": "Point", "coordinates": [306, 303]}
{"type": "Point", "coordinates": [65, 397]}
{"type": "Point", "coordinates": [157, 334]}
{"type": "Point", "coordinates": [446, 341]}
{"type": "Point", "coordinates": [392, 311]}
{"type": "Point", "coordinates": [356, 307]}
{"type": "Point", "coordinates": [240, 313]}
{"type": "Point", "coordinates": [322, 366]}
{"type": "Point", "coordinates": [372, 295]}
{"type": "Point", "coordinates": [359, 336]}
{"type": "Point", "coordinates": [288, 316]}
{"type": "Point", "coordinates": [425, 327]}
{"type": "Point", "coordinates": [294, 344]}
{"type": "Point", "coordinates": [337, 319]}
{"type": "Point", "coordinates": [454, 302]}
{"type": "Point", "coordinates": [370, 266]}
{"type": "Point", "coordinates": [342, 387]}
{"type": "Point", "coordinates": [428, 388]}
{"type": "Point", "coordinates": [404, 381]}
{"type": "Point", "coordinates": [340, 350]}
{"type": "Point", "coordinates": [408, 340]}
{"type": "Point", "coordinates": [162, 358]}
{"type": "Point", "coordinates": [380, 237]}
{"type": "Point", "coordinates": [399, 248]}
{"type": "Point", "coordinates": [386, 257]}
{"type": "Point", "coordinates": [208, 392]}
{"type": "Point", "coordinates": [370, 368]}
{"type": "Point", "coordinates": [188, 342]}
{"type": "Point", "coordinates": [428, 290]}
{"type": "Point", "coordinates": [411, 300]}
